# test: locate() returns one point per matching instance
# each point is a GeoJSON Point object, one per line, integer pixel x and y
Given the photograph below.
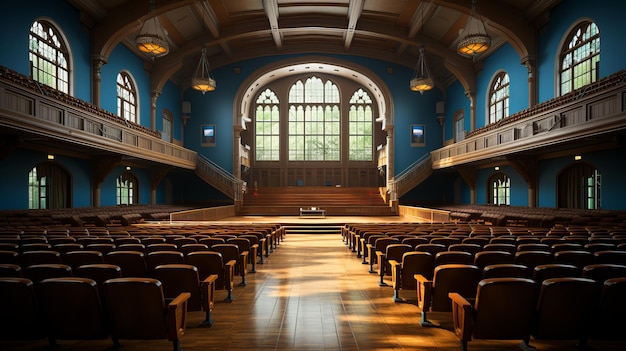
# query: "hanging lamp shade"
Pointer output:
{"type": "Point", "coordinates": [151, 39]}
{"type": "Point", "coordinates": [421, 80]}
{"type": "Point", "coordinates": [475, 37]}
{"type": "Point", "coordinates": [202, 79]}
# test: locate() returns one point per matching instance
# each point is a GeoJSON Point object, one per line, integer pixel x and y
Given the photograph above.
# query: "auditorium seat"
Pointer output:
{"type": "Point", "coordinates": [489, 314]}
{"type": "Point", "coordinates": [578, 258]}
{"type": "Point", "coordinates": [453, 257]}
{"type": "Point", "coordinates": [10, 257]}
{"type": "Point", "coordinates": [136, 310]}
{"type": "Point", "coordinates": [79, 258]}
{"type": "Point", "coordinates": [610, 256]}
{"type": "Point", "coordinates": [403, 272]}
{"type": "Point", "coordinates": [507, 270]}
{"type": "Point", "coordinates": [603, 271]}
{"type": "Point", "coordinates": [67, 247]}
{"type": "Point", "coordinates": [565, 310]}
{"type": "Point", "coordinates": [212, 262]}
{"type": "Point", "coordinates": [608, 321]}
{"type": "Point", "coordinates": [71, 309]}
{"type": "Point", "coordinates": [20, 310]}
{"type": "Point", "coordinates": [158, 258]}
{"type": "Point", "coordinates": [245, 245]}
{"type": "Point", "coordinates": [432, 295]}
{"type": "Point", "coordinates": [483, 259]}
{"type": "Point", "coordinates": [11, 270]}
{"type": "Point", "coordinates": [99, 272]}
{"type": "Point", "coordinates": [132, 263]}
{"type": "Point", "coordinates": [532, 259]}
{"type": "Point", "coordinates": [39, 272]}
{"type": "Point", "coordinates": [29, 258]}
{"type": "Point", "coordinates": [231, 252]}
{"type": "Point", "coordinates": [466, 247]}
{"type": "Point", "coordinates": [555, 270]}
{"type": "Point", "coordinates": [392, 252]}
{"type": "Point", "coordinates": [179, 278]}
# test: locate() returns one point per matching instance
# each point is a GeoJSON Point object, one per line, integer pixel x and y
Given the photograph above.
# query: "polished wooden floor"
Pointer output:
{"type": "Point", "coordinates": [312, 293]}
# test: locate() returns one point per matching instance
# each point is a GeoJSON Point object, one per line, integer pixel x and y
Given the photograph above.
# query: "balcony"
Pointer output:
{"type": "Point", "coordinates": [49, 119]}
{"type": "Point", "coordinates": [590, 116]}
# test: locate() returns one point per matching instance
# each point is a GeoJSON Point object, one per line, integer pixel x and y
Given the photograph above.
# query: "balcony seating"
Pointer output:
{"type": "Point", "coordinates": [488, 315]}
{"type": "Point", "coordinates": [179, 278]}
{"type": "Point", "coordinates": [71, 309]}
{"type": "Point", "coordinates": [403, 272]}
{"type": "Point", "coordinates": [432, 295]}
{"type": "Point", "coordinates": [137, 310]}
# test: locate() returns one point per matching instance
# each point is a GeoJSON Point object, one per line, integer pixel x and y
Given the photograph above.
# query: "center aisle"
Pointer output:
{"type": "Point", "coordinates": [314, 294]}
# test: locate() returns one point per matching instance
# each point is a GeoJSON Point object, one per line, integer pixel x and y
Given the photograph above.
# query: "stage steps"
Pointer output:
{"type": "Point", "coordinates": [312, 229]}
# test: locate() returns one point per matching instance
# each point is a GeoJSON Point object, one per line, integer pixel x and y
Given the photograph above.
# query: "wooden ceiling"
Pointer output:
{"type": "Point", "coordinates": [390, 30]}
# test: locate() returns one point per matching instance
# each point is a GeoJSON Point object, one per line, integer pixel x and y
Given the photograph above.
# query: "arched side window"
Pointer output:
{"type": "Point", "coordinates": [127, 189]}
{"type": "Point", "coordinates": [126, 97]}
{"type": "Point", "coordinates": [499, 97]}
{"type": "Point", "coordinates": [579, 186]}
{"type": "Point", "coordinates": [267, 127]}
{"type": "Point", "coordinates": [314, 123]}
{"type": "Point", "coordinates": [580, 57]}
{"type": "Point", "coordinates": [49, 187]}
{"type": "Point", "coordinates": [48, 56]}
{"type": "Point", "coordinates": [360, 127]}
{"type": "Point", "coordinates": [499, 189]}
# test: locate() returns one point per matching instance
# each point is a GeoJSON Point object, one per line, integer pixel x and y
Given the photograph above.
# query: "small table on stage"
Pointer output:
{"type": "Point", "coordinates": [312, 212]}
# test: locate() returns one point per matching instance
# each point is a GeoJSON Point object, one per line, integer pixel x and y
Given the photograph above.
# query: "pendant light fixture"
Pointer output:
{"type": "Point", "coordinates": [202, 78]}
{"type": "Point", "coordinates": [475, 37]}
{"type": "Point", "coordinates": [151, 39]}
{"type": "Point", "coordinates": [422, 79]}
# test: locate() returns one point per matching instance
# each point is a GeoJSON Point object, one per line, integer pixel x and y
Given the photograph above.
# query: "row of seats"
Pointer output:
{"type": "Point", "coordinates": [74, 308]}
{"type": "Point", "coordinates": [224, 260]}
{"type": "Point", "coordinates": [557, 309]}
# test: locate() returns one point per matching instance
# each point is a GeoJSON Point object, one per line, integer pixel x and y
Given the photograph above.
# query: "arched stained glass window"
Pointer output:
{"type": "Point", "coordinates": [48, 56]}
{"type": "Point", "coordinates": [580, 57]}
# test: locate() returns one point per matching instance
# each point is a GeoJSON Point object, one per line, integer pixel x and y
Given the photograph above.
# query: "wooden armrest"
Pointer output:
{"type": "Point", "coordinates": [394, 263]}
{"type": "Point", "coordinates": [177, 317]}
{"type": "Point", "coordinates": [424, 290]}
{"type": "Point", "coordinates": [208, 292]}
{"type": "Point", "coordinates": [461, 316]}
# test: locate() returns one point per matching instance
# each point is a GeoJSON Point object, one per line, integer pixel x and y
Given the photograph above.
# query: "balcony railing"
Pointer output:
{"type": "Point", "coordinates": [28, 106]}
